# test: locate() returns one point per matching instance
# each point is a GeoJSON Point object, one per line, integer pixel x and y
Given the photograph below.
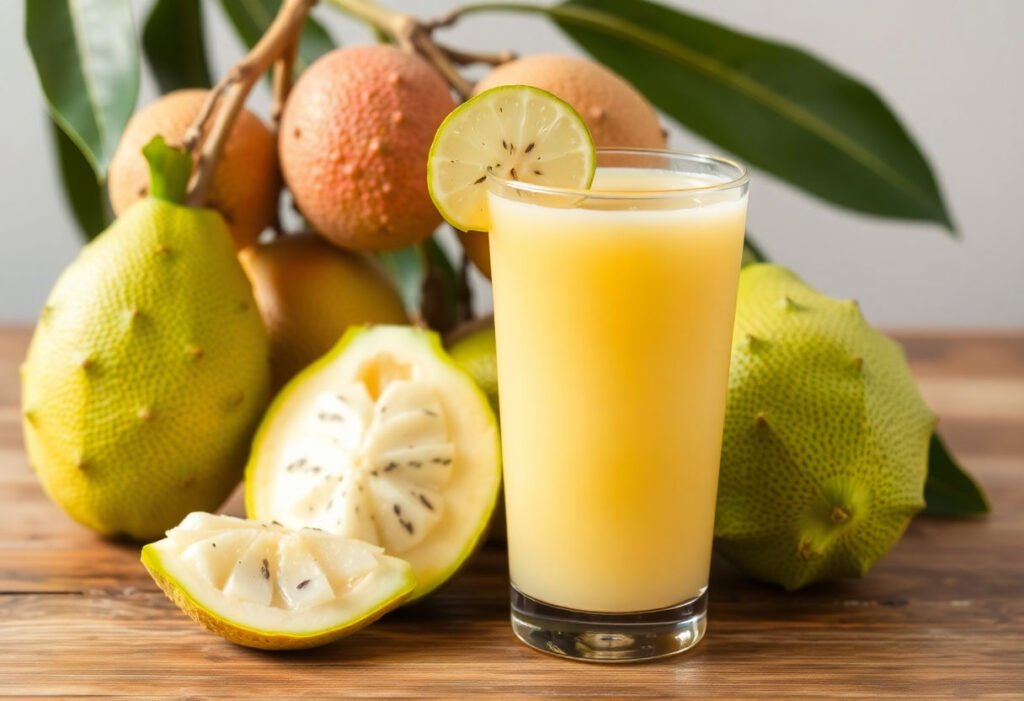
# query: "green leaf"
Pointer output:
{"type": "Point", "coordinates": [752, 253]}
{"type": "Point", "coordinates": [949, 490]}
{"type": "Point", "coordinates": [88, 65]}
{"type": "Point", "coordinates": [174, 47]}
{"type": "Point", "coordinates": [169, 170]}
{"type": "Point", "coordinates": [772, 105]}
{"type": "Point", "coordinates": [252, 17]}
{"type": "Point", "coordinates": [427, 282]}
{"type": "Point", "coordinates": [405, 268]}
{"type": "Point", "coordinates": [83, 191]}
{"type": "Point", "coordinates": [440, 306]}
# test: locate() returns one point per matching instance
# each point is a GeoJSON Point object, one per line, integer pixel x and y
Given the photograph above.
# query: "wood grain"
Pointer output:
{"type": "Point", "coordinates": [942, 616]}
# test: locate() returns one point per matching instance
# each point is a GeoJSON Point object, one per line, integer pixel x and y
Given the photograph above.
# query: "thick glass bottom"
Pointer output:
{"type": "Point", "coordinates": [608, 637]}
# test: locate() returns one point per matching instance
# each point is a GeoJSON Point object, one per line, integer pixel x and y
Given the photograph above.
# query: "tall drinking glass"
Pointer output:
{"type": "Point", "coordinates": [614, 311]}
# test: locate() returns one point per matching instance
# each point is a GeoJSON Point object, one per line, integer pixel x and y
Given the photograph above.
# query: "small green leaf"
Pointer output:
{"type": "Point", "coordinates": [773, 105]}
{"type": "Point", "coordinates": [949, 490]}
{"type": "Point", "coordinates": [752, 253]}
{"type": "Point", "coordinates": [83, 191]}
{"type": "Point", "coordinates": [169, 170]}
{"type": "Point", "coordinates": [405, 268]}
{"type": "Point", "coordinates": [440, 306]}
{"type": "Point", "coordinates": [427, 282]}
{"type": "Point", "coordinates": [252, 17]}
{"type": "Point", "coordinates": [88, 65]}
{"type": "Point", "coordinates": [174, 47]}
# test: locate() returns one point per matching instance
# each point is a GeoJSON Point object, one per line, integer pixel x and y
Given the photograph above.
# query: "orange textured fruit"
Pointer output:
{"type": "Point", "coordinates": [309, 292]}
{"type": "Point", "coordinates": [477, 249]}
{"type": "Point", "coordinates": [615, 112]}
{"type": "Point", "coordinates": [354, 139]}
{"type": "Point", "coordinates": [245, 184]}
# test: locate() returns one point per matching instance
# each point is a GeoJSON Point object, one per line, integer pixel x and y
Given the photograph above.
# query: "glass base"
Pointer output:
{"type": "Point", "coordinates": [608, 637]}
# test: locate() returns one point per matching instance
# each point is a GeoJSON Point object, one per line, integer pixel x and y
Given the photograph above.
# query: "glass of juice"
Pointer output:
{"type": "Point", "coordinates": [614, 312]}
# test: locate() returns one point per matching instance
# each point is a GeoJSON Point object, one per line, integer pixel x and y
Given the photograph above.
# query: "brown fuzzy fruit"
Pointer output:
{"type": "Point", "coordinates": [309, 292]}
{"type": "Point", "coordinates": [245, 184]}
{"type": "Point", "coordinates": [616, 114]}
{"type": "Point", "coordinates": [354, 139]}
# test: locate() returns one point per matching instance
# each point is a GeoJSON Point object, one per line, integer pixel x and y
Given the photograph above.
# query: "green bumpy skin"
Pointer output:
{"type": "Point", "coordinates": [825, 452]}
{"type": "Point", "coordinates": [147, 373]}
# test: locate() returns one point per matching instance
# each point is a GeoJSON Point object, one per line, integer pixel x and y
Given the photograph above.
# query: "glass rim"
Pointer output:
{"type": "Point", "coordinates": [742, 178]}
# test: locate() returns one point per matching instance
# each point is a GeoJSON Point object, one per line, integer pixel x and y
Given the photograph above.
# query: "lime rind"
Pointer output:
{"type": "Point", "coordinates": [514, 132]}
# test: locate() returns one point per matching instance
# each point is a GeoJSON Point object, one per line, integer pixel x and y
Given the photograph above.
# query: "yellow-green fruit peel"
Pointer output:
{"type": "Point", "coordinates": [386, 440]}
{"type": "Point", "coordinates": [269, 587]}
{"type": "Point", "coordinates": [147, 373]}
{"type": "Point", "coordinates": [826, 436]}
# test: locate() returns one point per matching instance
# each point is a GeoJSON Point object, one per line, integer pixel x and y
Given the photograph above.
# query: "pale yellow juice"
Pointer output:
{"type": "Point", "coordinates": [613, 329]}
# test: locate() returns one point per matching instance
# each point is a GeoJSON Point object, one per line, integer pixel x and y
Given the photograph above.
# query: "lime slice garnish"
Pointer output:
{"type": "Point", "coordinates": [515, 132]}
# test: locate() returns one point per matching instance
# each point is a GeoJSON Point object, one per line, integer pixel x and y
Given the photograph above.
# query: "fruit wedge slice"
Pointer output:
{"type": "Point", "coordinates": [515, 132]}
{"type": "Point", "coordinates": [386, 440]}
{"type": "Point", "coordinates": [270, 587]}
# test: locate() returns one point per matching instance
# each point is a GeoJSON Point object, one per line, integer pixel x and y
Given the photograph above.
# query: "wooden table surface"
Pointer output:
{"type": "Point", "coordinates": [942, 616]}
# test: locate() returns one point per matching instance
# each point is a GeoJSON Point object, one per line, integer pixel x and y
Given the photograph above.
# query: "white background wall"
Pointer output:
{"type": "Point", "coordinates": [953, 70]}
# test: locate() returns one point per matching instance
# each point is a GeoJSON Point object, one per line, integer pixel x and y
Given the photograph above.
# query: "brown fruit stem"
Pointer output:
{"type": "Point", "coordinates": [416, 36]}
{"type": "Point", "coordinates": [284, 70]}
{"type": "Point", "coordinates": [233, 89]}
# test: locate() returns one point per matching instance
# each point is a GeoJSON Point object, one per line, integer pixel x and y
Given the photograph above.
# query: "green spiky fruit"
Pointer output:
{"type": "Point", "coordinates": [826, 436]}
{"type": "Point", "coordinates": [147, 373]}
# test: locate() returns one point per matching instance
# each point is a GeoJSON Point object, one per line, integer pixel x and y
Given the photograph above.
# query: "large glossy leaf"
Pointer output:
{"type": "Point", "coordinates": [83, 191]}
{"type": "Point", "coordinates": [949, 490]}
{"type": "Point", "coordinates": [88, 65]}
{"type": "Point", "coordinates": [252, 17]}
{"type": "Point", "coordinates": [772, 105]}
{"type": "Point", "coordinates": [174, 47]}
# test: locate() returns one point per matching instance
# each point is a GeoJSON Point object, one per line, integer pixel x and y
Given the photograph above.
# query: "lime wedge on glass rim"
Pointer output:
{"type": "Point", "coordinates": [515, 132]}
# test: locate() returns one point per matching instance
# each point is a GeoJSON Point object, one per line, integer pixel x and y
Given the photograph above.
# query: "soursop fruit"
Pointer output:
{"type": "Point", "coordinates": [825, 450]}
{"type": "Point", "coordinates": [266, 586]}
{"type": "Point", "coordinates": [386, 440]}
{"type": "Point", "coordinates": [148, 369]}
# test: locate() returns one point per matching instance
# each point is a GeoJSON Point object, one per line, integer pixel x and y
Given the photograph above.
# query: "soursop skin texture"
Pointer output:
{"type": "Point", "coordinates": [147, 373]}
{"type": "Point", "coordinates": [825, 450]}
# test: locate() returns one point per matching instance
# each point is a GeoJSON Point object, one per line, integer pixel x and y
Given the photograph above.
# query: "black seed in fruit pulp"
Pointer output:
{"type": "Point", "coordinates": [265, 569]}
{"type": "Point", "coordinates": [529, 147]}
{"type": "Point", "coordinates": [426, 502]}
{"type": "Point", "coordinates": [397, 509]}
{"type": "Point", "coordinates": [302, 584]}
{"type": "Point", "coordinates": [480, 180]}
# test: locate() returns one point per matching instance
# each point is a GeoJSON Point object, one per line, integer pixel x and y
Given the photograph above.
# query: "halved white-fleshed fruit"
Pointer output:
{"type": "Point", "coordinates": [387, 440]}
{"type": "Point", "coordinates": [266, 586]}
{"type": "Point", "coordinates": [516, 132]}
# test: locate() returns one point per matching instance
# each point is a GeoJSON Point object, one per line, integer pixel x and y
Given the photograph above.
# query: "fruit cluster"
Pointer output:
{"type": "Point", "coordinates": [373, 474]}
{"type": "Point", "coordinates": [154, 360]}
